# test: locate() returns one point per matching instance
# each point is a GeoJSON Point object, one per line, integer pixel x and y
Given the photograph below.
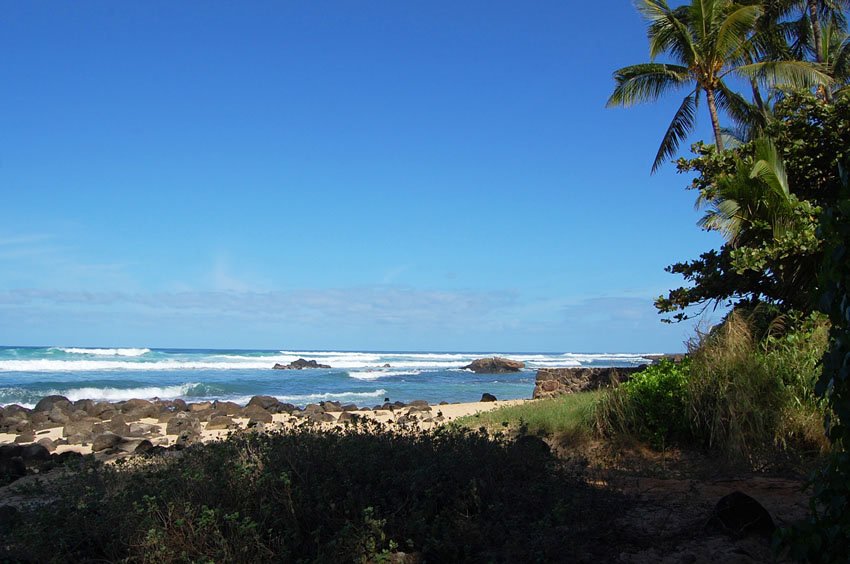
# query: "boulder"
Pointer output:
{"type": "Point", "coordinates": [739, 514]}
{"type": "Point", "coordinates": [144, 430]}
{"type": "Point", "coordinates": [35, 453]}
{"type": "Point", "coordinates": [256, 414]}
{"type": "Point", "coordinates": [117, 425]}
{"type": "Point", "coordinates": [268, 403]}
{"type": "Point", "coordinates": [320, 417]}
{"type": "Point", "coordinates": [553, 382]}
{"type": "Point", "coordinates": [105, 440]}
{"type": "Point", "coordinates": [82, 427]}
{"type": "Point", "coordinates": [183, 423]}
{"type": "Point", "coordinates": [200, 406]}
{"type": "Point", "coordinates": [26, 436]}
{"type": "Point", "coordinates": [331, 406]}
{"type": "Point", "coordinates": [494, 365]}
{"type": "Point", "coordinates": [47, 443]}
{"type": "Point", "coordinates": [135, 446]}
{"type": "Point", "coordinates": [227, 407]}
{"type": "Point", "coordinates": [488, 397]}
{"type": "Point", "coordinates": [49, 402]}
{"type": "Point", "coordinates": [299, 364]}
{"type": "Point", "coordinates": [348, 417]}
{"type": "Point", "coordinates": [220, 422]}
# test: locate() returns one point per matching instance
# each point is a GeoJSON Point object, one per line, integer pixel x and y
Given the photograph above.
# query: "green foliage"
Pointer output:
{"type": "Point", "coordinates": [651, 405]}
{"type": "Point", "coordinates": [745, 389]}
{"type": "Point", "coordinates": [708, 41]}
{"type": "Point", "coordinates": [310, 495]}
{"type": "Point", "coordinates": [776, 250]}
{"type": "Point", "coordinates": [825, 537]}
{"type": "Point", "coordinates": [569, 415]}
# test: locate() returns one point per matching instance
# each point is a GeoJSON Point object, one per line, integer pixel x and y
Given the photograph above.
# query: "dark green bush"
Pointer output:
{"type": "Point", "coordinates": [651, 406]}
{"type": "Point", "coordinates": [324, 496]}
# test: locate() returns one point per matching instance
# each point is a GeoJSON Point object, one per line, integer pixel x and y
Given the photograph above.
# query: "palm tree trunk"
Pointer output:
{"type": "Point", "coordinates": [715, 121]}
{"type": "Point", "coordinates": [816, 32]}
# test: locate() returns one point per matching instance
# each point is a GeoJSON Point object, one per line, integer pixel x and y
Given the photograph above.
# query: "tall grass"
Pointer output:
{"type": "Point", "coordinates": [747, 390]}
{"type": "Point", "coordinates": [567, 416]}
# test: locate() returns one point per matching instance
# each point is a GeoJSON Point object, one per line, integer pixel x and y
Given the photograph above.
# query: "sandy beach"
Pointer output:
{"type": "Point", "coordinates": [183, 424]}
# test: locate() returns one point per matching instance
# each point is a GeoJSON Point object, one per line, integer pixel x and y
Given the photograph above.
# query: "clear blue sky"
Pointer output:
{"type": "Point", "coordinates": [333, 175]}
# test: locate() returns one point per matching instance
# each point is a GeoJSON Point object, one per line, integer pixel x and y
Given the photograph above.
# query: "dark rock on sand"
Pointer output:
{"type": "Point", "coordinates": [220, 422]}
{"type": "Point", "coordinates": [494, 365]}
{"type": "Point", "coordinates": [82, 427]}
{"type": "Point", "coordinates": [300, 364]}
{"type": "Point", "coordinates": [738, 514]}
{"type": "Point", "coordinates": [35, 453]}
{"type": "Point", "coordinates": [49, 402]}
{"type": "Point", "coordinates": [183, 423]}
{"type": "Point", "coordinates": [488, 397]}
{"type": "Point", "coordinates": [268, 403]}
{"type": "Point", "coordinates": [105, 441]}
{"type": "Point", "coordinates": [331, 406]}
{"type": "Point", "coordinates": [347, 417]}
{"type": "Point", "coordinates": [227, 407]}
{"type": "Point", "coordinates": [257, 414]}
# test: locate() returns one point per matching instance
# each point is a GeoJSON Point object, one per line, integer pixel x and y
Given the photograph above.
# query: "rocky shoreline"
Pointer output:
{"type": "Point", "coordinates": [56, 428]}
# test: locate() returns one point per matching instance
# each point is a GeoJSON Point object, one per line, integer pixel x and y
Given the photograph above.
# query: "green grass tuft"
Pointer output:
{"type": "Point", "coordinates": [568, 415]}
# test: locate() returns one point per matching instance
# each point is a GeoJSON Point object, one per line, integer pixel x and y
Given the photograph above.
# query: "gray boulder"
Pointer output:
{"type": "Point", "coordinates": [494, 365]}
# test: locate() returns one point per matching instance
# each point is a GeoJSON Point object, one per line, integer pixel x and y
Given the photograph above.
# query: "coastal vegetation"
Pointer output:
{"type": "Point", "coordinates": [771, 383]}
{"type": "Point", "coordinates": [364, 494]}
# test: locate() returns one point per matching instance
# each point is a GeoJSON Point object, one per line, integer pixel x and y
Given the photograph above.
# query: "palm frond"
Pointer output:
{"type": "Point", "coordinates": [683, 123]}
{"type": "Point", "coordinates": [646, 83]}
{"type": "Point", "coordinates": [800, 74]}
{"type": "Point", "coordinates": [733, 35]}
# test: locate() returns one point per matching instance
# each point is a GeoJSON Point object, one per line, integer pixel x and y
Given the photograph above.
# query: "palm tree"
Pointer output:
{"type": "Point", "coordinates": [834, 53]}
{"type": "Point", "coordinates": [756, 194]}
{"type": "Point", "coordinates": [709, 40]}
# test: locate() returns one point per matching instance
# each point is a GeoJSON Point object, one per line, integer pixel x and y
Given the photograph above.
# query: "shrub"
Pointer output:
{"type": "Point", "coordinates": [308, 495]}
{"type": "Point", "coordinates": [650, 406]}
{"type": "Point", "coordinates": [737, 394]}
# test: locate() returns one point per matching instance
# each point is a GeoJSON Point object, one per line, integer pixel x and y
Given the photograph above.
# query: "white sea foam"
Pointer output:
{"type": "Point", "coordinates": [123, 394]}
{"type": "Point", "coordinates": [306, 398]}
{"type": "Point", "coordinates": [44, 365]}
{"type": "Point", "coordinates": [105, 352]}
{"type": "Point", "coordinates": [375, 374]}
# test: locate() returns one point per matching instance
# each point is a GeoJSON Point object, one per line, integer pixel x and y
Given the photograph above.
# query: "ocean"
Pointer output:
{"type": "Point", "coordinates": [114, 374]}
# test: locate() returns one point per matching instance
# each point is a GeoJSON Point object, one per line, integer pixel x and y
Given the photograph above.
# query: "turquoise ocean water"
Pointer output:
{"type": "Point", "coordinates": [29, 373]}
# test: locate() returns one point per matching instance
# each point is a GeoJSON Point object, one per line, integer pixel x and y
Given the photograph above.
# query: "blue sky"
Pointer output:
{"type": "Point", "coordinates": [334, 175]}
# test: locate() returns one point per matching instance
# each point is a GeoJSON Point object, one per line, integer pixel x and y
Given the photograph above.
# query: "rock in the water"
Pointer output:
{"type": "Point", "coordinates": [488, 397]}
{"type": "Point", "coordinates": [739, 514]}
{"type": "Point", "coordinates": [299, 365]}
{"type": "Point", "coordinates": [494, 365]}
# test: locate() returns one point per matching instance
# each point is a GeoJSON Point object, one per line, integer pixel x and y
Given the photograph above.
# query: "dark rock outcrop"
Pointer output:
{"type": "Point", "coordinates": [488, 397]}
{"type": "Point", "coordinates": [494, 365]}
{"type": "Point", "coordinates": [739, 514]}
{"type": "Point", "coordinates": [299, 365]}
{"type": "Point", "coordinates": [552, 382]}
